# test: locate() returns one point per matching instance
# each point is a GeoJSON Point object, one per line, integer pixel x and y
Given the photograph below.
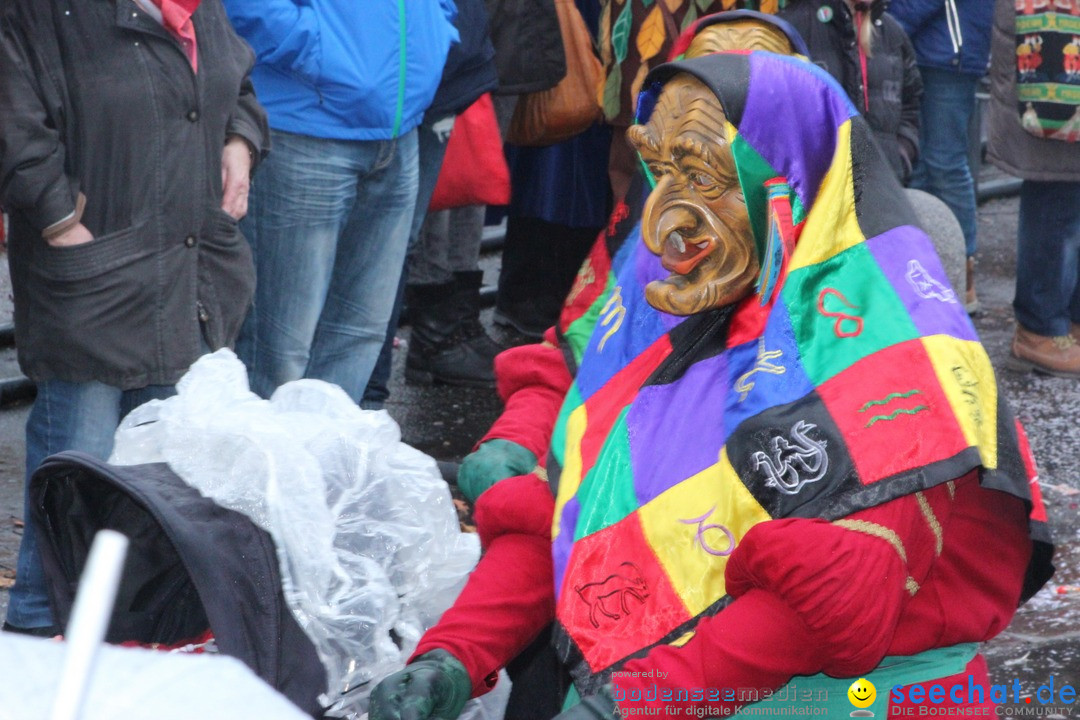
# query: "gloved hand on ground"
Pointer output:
{"type": "Point", "coordinates": [434, 685]}
{"type": "Point", "coordinates": [493, 461]}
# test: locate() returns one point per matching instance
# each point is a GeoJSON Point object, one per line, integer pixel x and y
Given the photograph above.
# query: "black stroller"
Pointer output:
{"type": "Point", "coordinates": [192, 566]}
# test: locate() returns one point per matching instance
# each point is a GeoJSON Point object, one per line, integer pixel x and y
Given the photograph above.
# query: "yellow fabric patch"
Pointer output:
{"type": "Point", "coordinates": [832, 227]}
{"type": "Point", "coordinates": [965, 373]}
{"type": "Point", "coordinates": [570, 477]}
{"type": "Point", "coordinates": [693, 528]}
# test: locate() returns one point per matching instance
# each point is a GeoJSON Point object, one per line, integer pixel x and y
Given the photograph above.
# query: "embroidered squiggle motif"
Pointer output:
{"type": "Point", "coordinates": [891, 396]}
{"type": "Point", "coordinates": [703, 528]}
{"type": "Point", "coordinates": [926, 285]}
{"type": "Point", "coordinates": [782, 469]}
{"type": "Point", "coordinates": [902, 411]}
{"type": "Point", "coordinates": [744, 385]}
{"type": "Point", "coordinates": [841, 317]}
{"type": "Point", "coordinates": [613, 313]}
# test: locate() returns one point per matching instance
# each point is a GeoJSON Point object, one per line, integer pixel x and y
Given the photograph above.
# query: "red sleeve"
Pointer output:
{"type": "Point", "coordinates": [509, 597]}
{"type": "Point", "coordinates": [532, 381]}
{"type": "Point", "coordinates": [812, 596]}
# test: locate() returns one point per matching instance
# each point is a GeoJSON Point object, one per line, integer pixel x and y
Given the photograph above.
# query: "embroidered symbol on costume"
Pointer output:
{"type": "Point", "coordinates": [612, 314]}
{"type": "Point", "coordinates": [967, 385]}
{"type": "Point", "coordinates": [703, 528]}
{"type": "Point", "coordinates": [442, 129]}
{"type": "Point", "coordinates": [627, 582]}
{"type": "Point", "coordinates": [841, 317]}
{"type": "Point", "coordinates": [925, 286]}
{"type": "Point", "coordinates": [896, 413]}
{"type": "Point", "coordinates": [824, 14]}
{"type": "Point", "coordinates": [802, 454]}
{"type": "Point", "coordinates": [586, 276]}
{"type": "Point", "coordinates": [744, 385]}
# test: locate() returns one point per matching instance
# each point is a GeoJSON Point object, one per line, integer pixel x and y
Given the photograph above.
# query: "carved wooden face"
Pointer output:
{"type": "Point", "coordinates": [744, 34]}
{"type": "Point", "coordinates": [696, 218]}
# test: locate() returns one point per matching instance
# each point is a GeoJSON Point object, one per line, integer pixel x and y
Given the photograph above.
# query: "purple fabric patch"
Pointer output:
{"type": "Point", "coordinates": [564, 543]}
{"type": "Point", "coordinates": [676, 430]}
{"type": "Point", "coordinates": [799, 141]}
{"type": "Point", "coordinates": [908, 259]}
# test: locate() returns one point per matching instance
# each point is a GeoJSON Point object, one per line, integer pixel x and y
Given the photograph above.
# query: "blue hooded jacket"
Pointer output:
{"type": "Point", "coordinates": [948, 34]}
{"type": "Point", "coordinates": [346, 69]}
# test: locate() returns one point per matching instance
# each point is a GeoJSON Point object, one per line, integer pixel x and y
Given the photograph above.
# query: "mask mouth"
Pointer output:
{"type": "Point", "coordinates": [685, 239]}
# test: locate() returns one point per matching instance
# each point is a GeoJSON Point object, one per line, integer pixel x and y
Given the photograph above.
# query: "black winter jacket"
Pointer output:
{"type": "Point", "coordinates": [529, 49]}
{"type": "Point", "coordinates": [98, 99]}
{"type": "Point", "coordinates": [470, 64]}
{"type": "Point", "coordinates": [895, 87]}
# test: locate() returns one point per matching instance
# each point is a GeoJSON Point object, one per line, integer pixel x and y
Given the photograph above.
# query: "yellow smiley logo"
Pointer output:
{"type": "Point", "coordinates": [862, 693]}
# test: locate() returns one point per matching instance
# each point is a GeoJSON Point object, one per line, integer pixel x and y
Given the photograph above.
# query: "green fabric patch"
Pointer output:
{"type": "Point", "coordinates": [607, 491]}
{"type": "Point", "coordinates": [578, 332]}
{"type": "Point", "coordinates": [558, 436]}
{"type": "Point", "coordinates": [827, 303]}
{"type": "Point", "coordinates": [753, 172]}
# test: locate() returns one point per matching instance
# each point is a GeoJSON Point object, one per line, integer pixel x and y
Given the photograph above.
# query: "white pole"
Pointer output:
{"type": "Point", "coordinates": [89, 621]}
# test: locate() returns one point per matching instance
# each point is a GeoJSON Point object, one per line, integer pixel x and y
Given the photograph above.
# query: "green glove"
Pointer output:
{"type": "Point", "coordinates": [595, 707]}
{"type": "Point", "coordinates": [434, 685]}
{"type": "Point", "coordinates": [493, 461]}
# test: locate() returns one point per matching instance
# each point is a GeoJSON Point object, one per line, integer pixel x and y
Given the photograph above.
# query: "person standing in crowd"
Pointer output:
{"type": "Point", "coordinates": [1047, 301]}
{"type": "Point", "coordinates": [952, 46]}
{"type": "Point", "coordinates": [560, 201]}
{"type": "Point", "coordinates": [868, 53]}
{"type": "Point", "coordinates": [448, 343]}
{"type": "Point", "coordinates": [124, 190]}
{"type": "Point", "coordinates": [345, 89]}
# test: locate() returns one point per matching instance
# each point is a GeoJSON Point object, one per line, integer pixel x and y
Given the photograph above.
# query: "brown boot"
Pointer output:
{"type": "Point", "coordinates": [1058, 356]}
{"type": "Point", "coordinates": [971, 303]}
{"type": "Point", "coordinates": [1074, 330]}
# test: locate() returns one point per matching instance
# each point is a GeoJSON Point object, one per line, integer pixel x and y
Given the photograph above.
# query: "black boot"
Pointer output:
{"type": "Point", "coordinates": [439, 351]}
{"type": "Point", "coordinates": [467, 293]}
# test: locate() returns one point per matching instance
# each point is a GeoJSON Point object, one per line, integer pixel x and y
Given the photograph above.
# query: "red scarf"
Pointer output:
{"type": "Point", "coordinates": [176, 17]}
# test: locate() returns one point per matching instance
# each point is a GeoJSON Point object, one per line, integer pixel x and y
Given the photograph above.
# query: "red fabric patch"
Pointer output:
{"type": "Point", "coordinates": [593, 276]}
{"type": "Point", "coordinates": [616, 598]}
{"type": "Point", "coordinates": [892, 412]}
{"type": "Point", "coordinates": [1038, 508]}
{"type": "Point", "coordinates": [603, 407]}
{"type": "Point", "coordinates": [749, 320]}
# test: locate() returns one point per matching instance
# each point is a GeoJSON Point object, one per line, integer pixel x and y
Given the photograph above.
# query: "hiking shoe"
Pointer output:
{"type": "Point", "coordinates": [1058, 356]}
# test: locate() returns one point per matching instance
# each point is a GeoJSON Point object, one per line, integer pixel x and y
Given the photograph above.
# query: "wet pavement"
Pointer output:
{"type": "Point", "coordinates": [1043, 639]}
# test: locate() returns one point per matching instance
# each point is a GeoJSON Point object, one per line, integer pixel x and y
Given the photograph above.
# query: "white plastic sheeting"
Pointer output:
{"type": "Point", "coordinates": [134, 683]}
{"type": "Point", "coordinates": [367, 535]}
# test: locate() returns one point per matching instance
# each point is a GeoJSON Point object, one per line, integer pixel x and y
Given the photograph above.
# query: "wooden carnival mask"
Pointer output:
{"type": "Point", "coordinates": [696, 218]}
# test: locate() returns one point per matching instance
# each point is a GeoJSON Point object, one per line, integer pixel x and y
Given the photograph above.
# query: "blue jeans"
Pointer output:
{"type": "Point", "coordinates": [65, 416]}
{"type": "Point", "coordinates": [329, 226]}
{"type": "Point", "coordinates": [432, 136]}
{"type": "Point", "coordinates": [1048, 257]}
{"type": "Point", "coordinates": [942, 170]}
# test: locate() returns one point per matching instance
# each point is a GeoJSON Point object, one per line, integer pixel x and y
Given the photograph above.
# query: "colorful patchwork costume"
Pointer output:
{"type": "Point", "coordinates": [809, 481]}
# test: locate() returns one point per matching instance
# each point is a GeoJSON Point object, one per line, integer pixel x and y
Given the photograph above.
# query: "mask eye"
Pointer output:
{"type": "Point", "coordinates": [702, 180]}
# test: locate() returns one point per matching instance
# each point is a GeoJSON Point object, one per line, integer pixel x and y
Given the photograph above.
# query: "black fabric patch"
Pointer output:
{"type": "Point", "coordinates": [880, 202]}
{"type": "Point", "coordinates": [779, 453]}
{"type": "Point", "coordinates": [727, 75]}
{"type": "Point", "coordinates": [697, 338]}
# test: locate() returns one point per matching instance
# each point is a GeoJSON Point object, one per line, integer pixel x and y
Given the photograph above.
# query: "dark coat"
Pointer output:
{"type": "Point", "coordinates": [895, 85]}
{"type": "Point", "coordinates": [470, 65]}
{"type": "Point", "coordinates": [927, 24]}
{"type": "Point", "coordinates": [529, 49]}
{"type": "Point", "coordinates": [99, 100]}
